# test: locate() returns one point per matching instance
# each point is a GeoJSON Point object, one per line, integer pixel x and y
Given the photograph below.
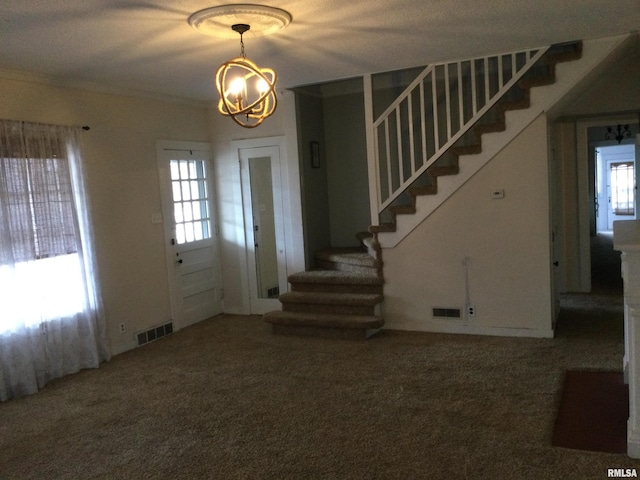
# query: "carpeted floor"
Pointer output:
{"type": "Point", "coordinates": [227, 399]}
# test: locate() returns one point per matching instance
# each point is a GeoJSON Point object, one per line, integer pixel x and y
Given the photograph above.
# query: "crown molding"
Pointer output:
{"type": "Point", "coordinates": [30, 77]}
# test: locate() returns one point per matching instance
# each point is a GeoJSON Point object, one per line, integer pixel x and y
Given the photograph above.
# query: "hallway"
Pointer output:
{"type": "Point", "coordinates": [599, 314]}
{"type": "Point", "coordinates": [605, 265]}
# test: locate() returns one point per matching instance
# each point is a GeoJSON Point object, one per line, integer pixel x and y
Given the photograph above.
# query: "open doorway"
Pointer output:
{"type": "Point", "coordinates": [613, 168]}
{"type": "Point", "coordinates": [615, 178]}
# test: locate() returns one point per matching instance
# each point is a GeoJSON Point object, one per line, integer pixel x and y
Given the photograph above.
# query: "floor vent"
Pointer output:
{"type": "Point", "coordinates": [446, 312]}
{"type": "Point", "coordinates": [154, 333]}
{"type": "Point", "coordinates": [273, 292]}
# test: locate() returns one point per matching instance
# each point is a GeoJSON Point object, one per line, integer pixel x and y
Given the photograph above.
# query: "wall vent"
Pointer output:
{"type": "Point", "coordinates": [446, 312]}
{"type": "Point", "coordinates": [154, 333]}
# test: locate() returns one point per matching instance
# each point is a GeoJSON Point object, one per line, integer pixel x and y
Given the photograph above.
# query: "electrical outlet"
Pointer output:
{"type": "Point", "coordinates": [122, 329]}
{"type": "Point", "coordinates": [471, 310]}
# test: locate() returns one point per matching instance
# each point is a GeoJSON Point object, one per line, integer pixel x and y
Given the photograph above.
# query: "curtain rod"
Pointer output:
{"type": "Point", "coordinates": [83, 127]}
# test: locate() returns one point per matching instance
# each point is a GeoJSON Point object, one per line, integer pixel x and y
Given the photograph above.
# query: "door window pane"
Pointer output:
{"type": "Point", "coordinates": [190, 200]}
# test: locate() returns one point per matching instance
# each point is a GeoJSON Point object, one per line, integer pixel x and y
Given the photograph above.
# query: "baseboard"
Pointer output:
{"type": "Point", "coordinates": [123, 347]}
{"type": "Point", "coordinates": [465, 329]}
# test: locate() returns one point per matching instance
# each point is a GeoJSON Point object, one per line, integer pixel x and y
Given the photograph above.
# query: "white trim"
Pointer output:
{"type": "Point", "coordinates": [371, 149]}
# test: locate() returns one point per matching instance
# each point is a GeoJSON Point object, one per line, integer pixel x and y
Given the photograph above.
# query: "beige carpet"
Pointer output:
{"type": "Point", "coordinates": [226, 399]}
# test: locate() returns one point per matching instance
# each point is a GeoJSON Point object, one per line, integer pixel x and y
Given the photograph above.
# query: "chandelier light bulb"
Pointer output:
{"type": "Point", "coordinates": [237, 86]}
{"type": "Point", "coordinates": [263, 86]}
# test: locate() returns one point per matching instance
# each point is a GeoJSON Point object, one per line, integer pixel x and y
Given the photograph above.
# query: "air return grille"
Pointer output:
{"type": "Point", "coordinates": [154, 333]}
{"type": "Point", "coordinates": [446, 312]}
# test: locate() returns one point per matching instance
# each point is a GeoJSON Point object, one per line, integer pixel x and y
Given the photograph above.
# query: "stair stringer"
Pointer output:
{"type": "Point", "coordinates": [567, 76]}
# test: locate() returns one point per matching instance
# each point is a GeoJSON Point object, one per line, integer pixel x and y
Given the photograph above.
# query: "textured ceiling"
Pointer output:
{"type": "Point", "coordinates": [149, 45]}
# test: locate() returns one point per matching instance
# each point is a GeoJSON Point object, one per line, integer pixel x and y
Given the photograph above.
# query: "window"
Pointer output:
{"type": "Point", "coordinates": [51, 321]}
{"type": "Point", "coordinates": [623, 188]}
{"type": "Point", "coordinates": [190, 200]}
{"type": "Point", "coordinates": [40, 189]}
{"type": "Point", "coordinates": [41, 273]}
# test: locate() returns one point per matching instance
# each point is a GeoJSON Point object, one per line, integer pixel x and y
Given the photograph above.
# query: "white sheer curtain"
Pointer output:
{"type": "Point", "coordinates": [51, 321]}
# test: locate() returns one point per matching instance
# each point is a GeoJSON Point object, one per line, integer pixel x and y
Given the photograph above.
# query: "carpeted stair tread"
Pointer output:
{"type": "Point", "coordinates": [331, 298]}
{"type": "Point", "coordinates": [335, 277]}
{"type": "Point", "coordinates": [325, 320]}
{"type": "Point", "coordinates": [347, 255]}
{"type": "Point", "coordinates": [383, 227]}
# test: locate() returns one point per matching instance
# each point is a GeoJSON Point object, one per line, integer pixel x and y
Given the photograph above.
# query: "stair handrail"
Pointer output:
{"type": "Point", "coordinates": [479, 107]}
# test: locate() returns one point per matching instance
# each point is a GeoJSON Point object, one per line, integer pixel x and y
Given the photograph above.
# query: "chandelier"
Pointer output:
{"type": "Point", "coordinates": [622, 132]}
{"type": "Point", "coordinates": [247, 92]}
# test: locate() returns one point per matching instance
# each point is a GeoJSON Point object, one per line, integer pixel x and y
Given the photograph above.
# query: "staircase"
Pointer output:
{"type": "Point", "coordinates": [418, 170]}
{"type": "Point", "coordinates": [517, 97]}
{"type": "Point", "coordinates": [340, 298]}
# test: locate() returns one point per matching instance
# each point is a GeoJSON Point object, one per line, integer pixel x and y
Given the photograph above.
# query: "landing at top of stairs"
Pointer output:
{"type": "Point", "coordinates": [347, 255]}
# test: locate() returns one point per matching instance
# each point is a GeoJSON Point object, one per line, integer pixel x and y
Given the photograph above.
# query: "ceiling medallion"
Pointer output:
{"type": "Point", "coordinates": [247, 92]}
{"type": "Point", "coordinates": [216, 21]}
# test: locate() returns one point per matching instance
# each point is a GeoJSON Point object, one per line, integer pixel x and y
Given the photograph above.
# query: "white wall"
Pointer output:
{"type": "Point", "coordinates": [123, 184]}
{"type": "Point", "coordinates": [507, 242]}
{"type": "Point", "coordinates": [122, 171]}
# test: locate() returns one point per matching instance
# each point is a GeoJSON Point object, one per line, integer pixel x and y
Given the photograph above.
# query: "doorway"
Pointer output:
{"type": "Point", "coordinates": [615, 178]}
{"type": "Point", "coordinates": [190, 231]}
{"type": "Point", "coordinates": [614, 199]}
{"type": "Point", "coordinates": [264, 222]}
{"type": "Point", "coordinates": [585, 192]}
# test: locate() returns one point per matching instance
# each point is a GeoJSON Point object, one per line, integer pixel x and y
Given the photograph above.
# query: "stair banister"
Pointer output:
{"type": "Point", "coordinates": [381, 183]}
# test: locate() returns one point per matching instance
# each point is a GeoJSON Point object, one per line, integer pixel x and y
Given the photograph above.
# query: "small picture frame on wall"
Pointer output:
{"type": "Point", "coordinates": [315, 155]}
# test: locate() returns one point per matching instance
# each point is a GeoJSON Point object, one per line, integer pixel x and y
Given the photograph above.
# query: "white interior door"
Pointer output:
{"type": "Point", "coordinates": [190, 231]}
{"type": "Point", "coordinates": [264, 226]}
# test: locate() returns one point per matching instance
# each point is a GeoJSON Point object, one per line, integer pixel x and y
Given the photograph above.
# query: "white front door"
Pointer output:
{"type": "Point", "coordinates": [190, 231]}
{"type": "Point", "coordinates": [264, 226]}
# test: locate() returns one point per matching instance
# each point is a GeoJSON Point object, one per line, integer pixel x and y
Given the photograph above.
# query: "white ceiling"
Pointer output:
{"type": "Point", "coordinates": [148, 45]}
